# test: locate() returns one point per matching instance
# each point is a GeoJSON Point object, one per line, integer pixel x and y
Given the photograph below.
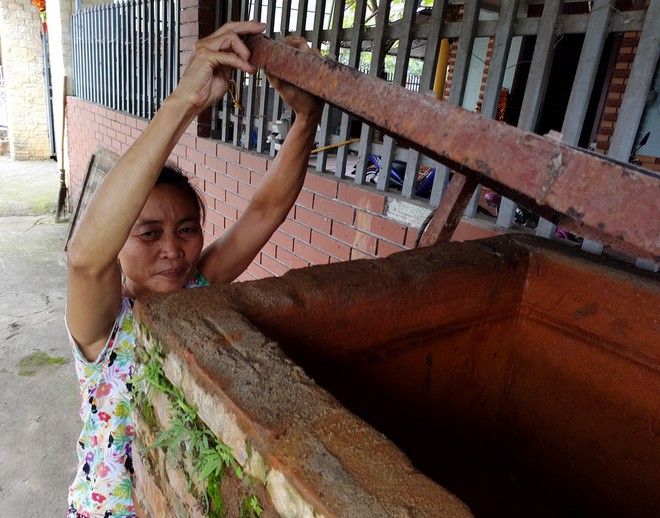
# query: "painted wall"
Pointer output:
{"type": "Point", "coordinates": [22, 59]}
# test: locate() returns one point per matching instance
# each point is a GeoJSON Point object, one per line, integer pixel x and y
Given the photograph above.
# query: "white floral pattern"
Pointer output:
{"type": "Point", "coordinates": [103, 483]}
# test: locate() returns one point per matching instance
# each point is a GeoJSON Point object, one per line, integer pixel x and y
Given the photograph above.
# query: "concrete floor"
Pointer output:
{"type": "Point", "coordinates": [39, 401]}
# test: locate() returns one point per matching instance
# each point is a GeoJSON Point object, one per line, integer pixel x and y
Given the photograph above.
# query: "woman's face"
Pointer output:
{"type": "Point", "coordinates": [163, 248]}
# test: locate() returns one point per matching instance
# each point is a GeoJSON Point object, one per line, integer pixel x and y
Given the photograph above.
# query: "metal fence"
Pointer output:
{"type": "Point", "coordinates": [126, 54]}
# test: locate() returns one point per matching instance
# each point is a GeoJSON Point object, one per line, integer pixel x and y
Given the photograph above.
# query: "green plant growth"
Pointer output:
{"type": "Point", "coordinates": [187, 432]}
{"type": "Point", "coordinates": [29, 364]}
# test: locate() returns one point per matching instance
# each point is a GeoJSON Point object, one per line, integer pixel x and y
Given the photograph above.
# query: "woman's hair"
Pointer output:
{"type": "Point", "coordinates": [172, 175]}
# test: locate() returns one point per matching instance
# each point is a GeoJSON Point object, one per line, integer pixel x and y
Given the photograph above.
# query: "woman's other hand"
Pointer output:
{"type": "Point", "coordinates": [206, 78]}
{"type": "Point", "coordinates": [304, 104]}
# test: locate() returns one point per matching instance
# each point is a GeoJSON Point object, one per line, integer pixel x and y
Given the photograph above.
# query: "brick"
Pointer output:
{"type": "Point", "coordinates": [305, 199]}
{"type": "Point", "coordinates": [297, 230]}
{"type": "Point", "coordinates": [194, 156]}
{"type": "Point", "coordinates": [230, 154]}
{"type": "Point", "coordinates": [217, 164]}
{"type": "Point", "coordinates": [359, 197]}
{"type": "Point", "coordinates": [332, 246]}
{"type": "Point", "coordinates": [380, 226]}
{"type": "Point", "coordinates": [186, 166]}
{"type": "Point", "coordinates": [188, 15]}
{"type": "Point", "coordinates": [236, 171]}
{"type": "Point", "coordinates": [205, 173]}
{"type": "Point", "coordinates": [255, 271]}
{"type": "Point", "coordinates": [334, 209]}
{"type": "Point", "coordinates": [208, 147]}
{"type": "Point", "coordinates": [188, 140]}
{"type": "Point", "coordinates": [354, 238]}
{"type": "Point", "coordinates": [385, 248]}
{"type": "Point", "coordinates": [282, 240]}
{"type": "Point", "coordinates": [309, 253]}
{"type": "Point", "coordinates": [215, 218]}
{"type": "Point", "coordinates": [357, 254]}
{"type": "Point", "coordinates": [272, 265]}
{"type": "Point", "coordinates": [215, 191]}
{"type": "Point", "coordinates": [233, 200]}
{"type": "Point", "coordinates": [312, 219]}
{"type": "Point", "coordinates": [256, 177]}
{"type": "Point", "coordinates": [290, 259]}
{"type": "Point", "coordinates": [226, 182]}
{"type": "Point", "coordinates": [257, 162]}
{"type": "Point", "coordinates": [188, 29]}
{"type": "Point", "coordinates": [230, 213]}
{"type": "Point", "coordinates": [325, 185]}
{"type": "Point", "coordinates": [245, 190]}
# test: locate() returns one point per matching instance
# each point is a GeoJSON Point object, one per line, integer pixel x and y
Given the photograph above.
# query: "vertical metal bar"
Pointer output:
{"type": "Point", "coordinates": [122, 55]}
{"type": "Point", "coordinates": [319, 11]}
{"type": "Point", "coordinates": [302, 17]}
{"type": "Point", "coordinates": [150, 59]}
{"type": "Point", "coordinates": [74, 50]}
{"type": "Point", "coordinates": [131, 57]}
{"type": "Point", "coordinates": [143, 61]}
{"type": "Point", "coordinates": [116, 34]}
{"type": "Point", "coordinates": [175, 38]}
{"type": "Point", "coordinates": [353, 62]}
{"type": "Point", "coordinates": [277, 100]}
{"type": "Point", "coordinates": [436, 25]}
{"type": "Point", "coordinates": [93, 64]}
{"type": "Point", "coordinates": [87, 56]}
{"type": "Point", "coordinates": [262, 124]}
{"type": "Point", "coordinates": [496, 70]}
{"type": "Point", "coordinates": [464, 51]}
{"type": "Point", "coordinates": [167, 42]}
{"type": "Point", "coordinates": [539, 71]}
{"type": "Point", "coordinates": [326, 119]}
{"type": "Point", "coordinates": [76, 35]}
{"type": "Point", "coordinates": [107, 50]}
{"type": "Point", "coordinates": [400, 75]}
{"type": "Point", "coordinates": [458, 81]}
{"type": "Point", "coordinates": [78, 78]}
{"type": "Point", "coordinates": [251, 101]}
{"type": "Point", "coordinates": [240, 80]}
{"type": "Point", "coordinates": [639, 84]}
{"type": "Point", "coordinates": [585, 76]}
{"type": "Point", "coordinates": [158, 54]}
{"type": "Point", "coordinates": [286, 18]}
{"type": "Point", "coordinates": [224, 115]}
{"type": "Point", "coordinates": [104, 55]}
{"type": "Point", "coordinates": [367, 133]}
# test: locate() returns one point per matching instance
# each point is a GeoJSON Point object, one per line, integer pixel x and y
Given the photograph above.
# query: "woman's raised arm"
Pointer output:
{"type": "Point", "coordinates": [94, 277]}
{"type": "Point", "coordinates": [225, 259]}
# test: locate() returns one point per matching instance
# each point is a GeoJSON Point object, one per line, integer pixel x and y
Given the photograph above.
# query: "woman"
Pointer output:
{"type": "Point", "coordinates": [141, 236]}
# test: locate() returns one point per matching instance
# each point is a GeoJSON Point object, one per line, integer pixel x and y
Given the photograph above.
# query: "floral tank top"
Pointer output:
{"type": "Point", "coordinates": [104, 482]}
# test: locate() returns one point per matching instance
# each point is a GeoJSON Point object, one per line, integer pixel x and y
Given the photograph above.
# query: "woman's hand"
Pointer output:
{"type": "Point", "coordinates": [206, 78]}
{"type": "Point", "coordinates": [306, 105]}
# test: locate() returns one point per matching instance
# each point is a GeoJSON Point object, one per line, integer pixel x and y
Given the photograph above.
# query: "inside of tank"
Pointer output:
{"type": "Point", "coordinates": [525, 388]}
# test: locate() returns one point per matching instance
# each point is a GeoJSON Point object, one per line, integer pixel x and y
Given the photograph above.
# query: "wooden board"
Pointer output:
{"type": "Point", "coordinates": [99, 164]}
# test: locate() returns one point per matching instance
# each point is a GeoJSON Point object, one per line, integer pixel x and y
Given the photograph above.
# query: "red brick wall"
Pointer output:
{"type": "Point", "coordinates": [617, 88]}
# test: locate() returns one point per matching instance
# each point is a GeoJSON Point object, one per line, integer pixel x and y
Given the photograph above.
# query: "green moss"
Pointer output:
{"type": "Point", "coordinates": [28, 365]}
